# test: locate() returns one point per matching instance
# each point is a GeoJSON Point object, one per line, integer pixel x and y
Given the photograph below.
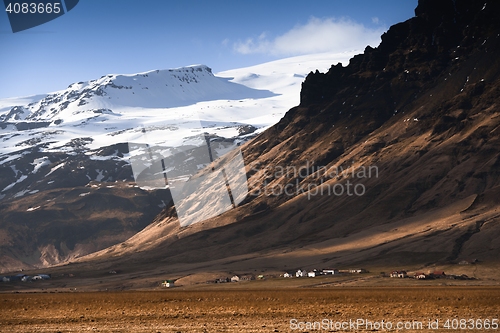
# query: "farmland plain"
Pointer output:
{"type": "Point", "coordinates": [222, 309]}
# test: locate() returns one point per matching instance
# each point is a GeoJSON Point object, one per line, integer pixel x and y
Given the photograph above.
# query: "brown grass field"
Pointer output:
{"type": "Point", "coordinates": [238, 310]}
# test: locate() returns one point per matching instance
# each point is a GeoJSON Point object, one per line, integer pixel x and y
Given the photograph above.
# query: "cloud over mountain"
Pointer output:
{"type": "Point", "coordinates": [317, 35]}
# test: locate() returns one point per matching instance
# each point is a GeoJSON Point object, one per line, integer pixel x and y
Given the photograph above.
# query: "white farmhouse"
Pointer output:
{"type": "Point", "coordinates": [312, 274]}
{"type": "Point", "coordinates": [331, 271]}
{"type": "Point", "coordinates": [299, 273]}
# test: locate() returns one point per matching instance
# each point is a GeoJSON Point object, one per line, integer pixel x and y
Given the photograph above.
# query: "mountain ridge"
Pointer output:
{"type": "Point", "coordinates": [422, 107]}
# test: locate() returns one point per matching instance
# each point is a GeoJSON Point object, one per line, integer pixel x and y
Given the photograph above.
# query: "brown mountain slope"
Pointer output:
{"type": "Point", "coordinates": [409, 131]}
{"type": "Point", "coordinates": [66, 223]}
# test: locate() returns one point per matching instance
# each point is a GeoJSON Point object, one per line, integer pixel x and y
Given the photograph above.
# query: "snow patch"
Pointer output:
{"type": "Point", "coordinates": [56, 168]}
{"type": "Point", "coordinates": [21, 193]}
{"type": "Point", "coordinates": [100, 175]}
{"type": "Point", "coordinates": [8, 187]}
{"type": "Point", "coordinates": [39, 163]}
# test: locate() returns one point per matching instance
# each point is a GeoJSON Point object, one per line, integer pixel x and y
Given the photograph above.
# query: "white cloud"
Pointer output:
{"type": "Point", "coordinates": [375, 20]}
{"type": "Point", "coordinates": [318, 35]}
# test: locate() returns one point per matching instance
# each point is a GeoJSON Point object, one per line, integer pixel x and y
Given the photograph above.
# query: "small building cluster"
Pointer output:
{"type": "Point", "coordinates": [168, 283]}
{"type": "Point", "coordinates": [328, 271]}
{"type": "Point", "coordinates": [428, 276]}
{"type": "Point", "coordinates": [235, 278]}
{"type": "Point", "coordinates": [24, 278]}
{"type": "Point", "coordinates": [399, 274]}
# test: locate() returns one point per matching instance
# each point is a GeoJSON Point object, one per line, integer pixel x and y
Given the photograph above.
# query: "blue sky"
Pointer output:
{"type": "Point", "coordinates": [99, 37]}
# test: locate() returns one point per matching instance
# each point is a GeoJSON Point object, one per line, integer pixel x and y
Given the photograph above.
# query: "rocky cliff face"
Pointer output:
{"type": "Point", "coordinates": [423, 108]}
{"type": "Point", "coordinates": [434, 76]}
{"type": "Point", "coordinates": [443, 34]}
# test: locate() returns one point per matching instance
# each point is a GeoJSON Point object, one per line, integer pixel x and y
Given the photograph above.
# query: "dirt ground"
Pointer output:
{"type": "Point", "coordinates": [278, 310]}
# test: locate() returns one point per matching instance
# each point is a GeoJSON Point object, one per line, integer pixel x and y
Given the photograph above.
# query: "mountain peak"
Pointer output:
{"type": "Point", "coordinates": [165, 88]}
{"type": "Point", "coordinates": [415, 50]}
{"type": "Point", "coordinates": [187, 72]}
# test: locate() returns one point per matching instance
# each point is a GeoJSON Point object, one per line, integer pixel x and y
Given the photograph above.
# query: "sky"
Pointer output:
{"type": "Point", "coordinates": [99, 37]}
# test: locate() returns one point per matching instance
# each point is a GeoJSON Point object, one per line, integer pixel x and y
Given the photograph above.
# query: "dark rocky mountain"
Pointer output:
{"type": "Point", "coordinates": [420, 112]}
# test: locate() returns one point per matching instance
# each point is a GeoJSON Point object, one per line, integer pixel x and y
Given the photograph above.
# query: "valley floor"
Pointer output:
{"type": "Point", "coordinates": [412, 309]}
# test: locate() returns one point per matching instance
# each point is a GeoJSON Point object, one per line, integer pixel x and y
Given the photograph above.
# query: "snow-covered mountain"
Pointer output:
{"type": "Point", "coordinates": [72, 144]}
{"type": "Point", "coordinates": [89, 116]}
{"type": "Point", "coordinates": [154, 89]}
